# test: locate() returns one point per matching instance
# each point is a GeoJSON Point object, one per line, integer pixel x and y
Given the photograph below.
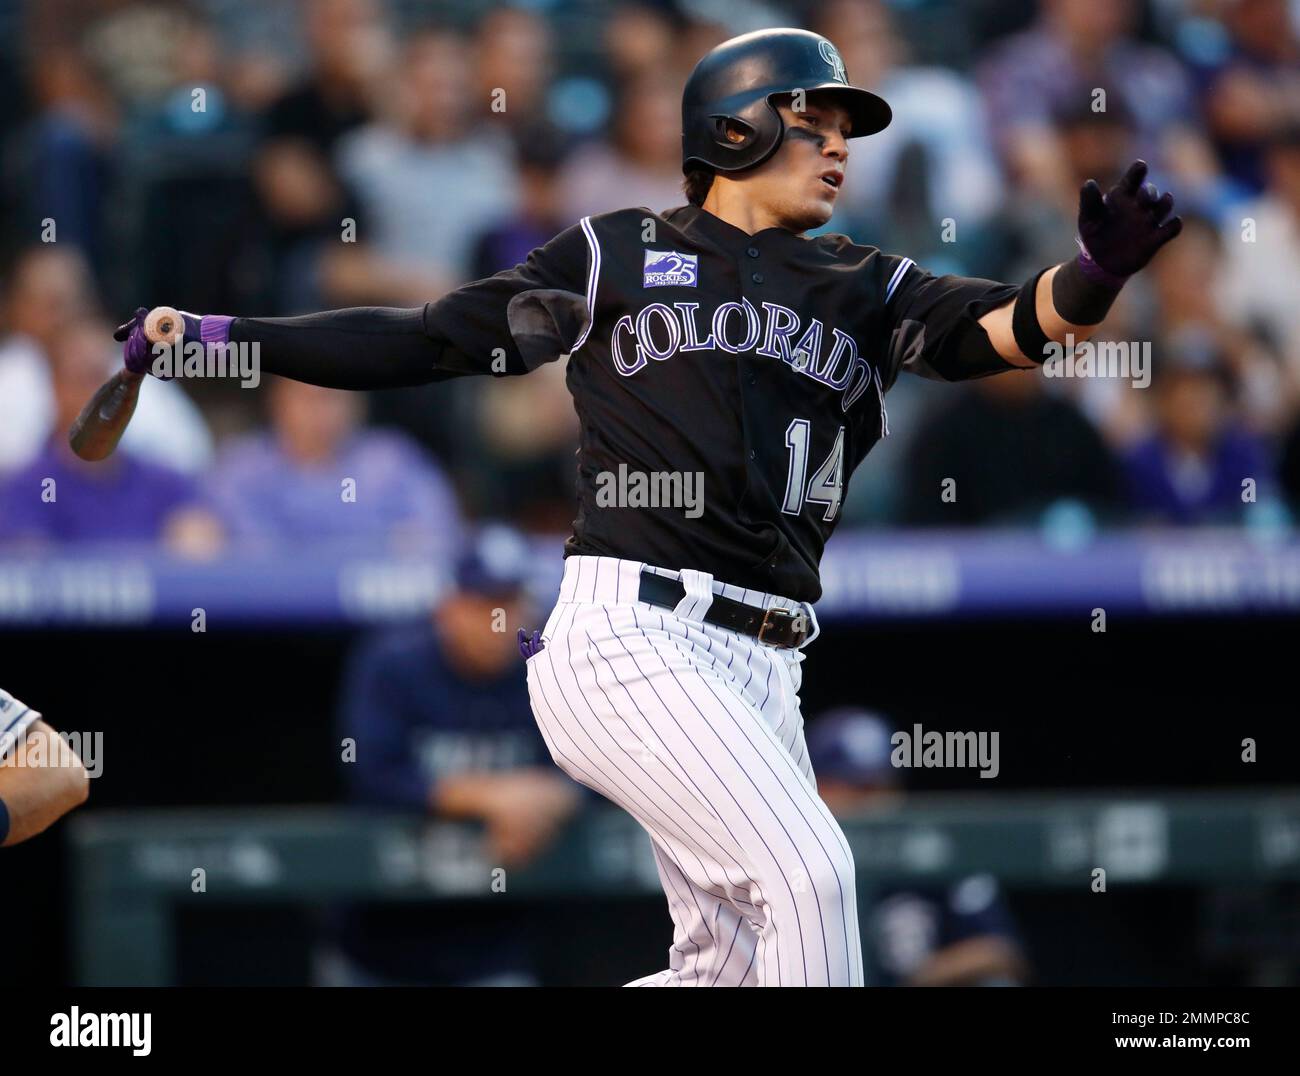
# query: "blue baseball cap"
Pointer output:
{"type": "Point", "coordinates": [851, 744]}
{"type": "Point", "coordinates": [496, 560]}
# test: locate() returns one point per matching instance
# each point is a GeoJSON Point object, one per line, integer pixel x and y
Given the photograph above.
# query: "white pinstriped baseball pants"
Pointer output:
{"type": "Point", "coordinates": [695, 731]}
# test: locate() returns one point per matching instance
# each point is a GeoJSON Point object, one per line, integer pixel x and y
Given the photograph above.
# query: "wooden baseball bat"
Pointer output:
{"type": "Point", "coordinates": [99, 427]}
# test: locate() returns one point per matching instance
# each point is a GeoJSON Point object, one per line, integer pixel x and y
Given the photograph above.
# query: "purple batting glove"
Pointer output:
{"type": "Point", "coordinates": [137, 352]}
{"type": "Point", "coordinates": [529, 647]}
{"type": "Point", "coordinates": [1120, 231]}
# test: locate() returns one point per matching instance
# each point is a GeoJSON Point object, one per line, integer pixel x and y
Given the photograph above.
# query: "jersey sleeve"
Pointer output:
{"type": "Point", "coordinates": [520, 318]}
{"type": "Point", "coordinates": [931, 322]}
{"type": "Point", "coordinates": [15, 719]}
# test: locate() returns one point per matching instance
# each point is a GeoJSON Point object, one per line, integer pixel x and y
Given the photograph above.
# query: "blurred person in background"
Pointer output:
{"type": "Point", "coordinates": [641, 39]}
{"type": "Point", "coordinates": [1060, 457]}
{"type": "Point", "coordinates": [58, 162]}
{"type": "Point", "coordinates": [33, 797]}
{"type": "Point", "coordinates": [58, 498]}
{"type": "Point", "coordinates": [1252, 94]}
{"type": "Point", "coordinates": [538, 216]}
{"type": "Point", "coordinates": [45, 289]}
{"type": "Point", "coordinates": [1073, 48]}
{"type": "Point", "coordinates": [637, 167]}
{"type": "Point", "coordinates": [431, 176]}
{"type": "Point", "coordinates": [957, 934]}
{"type": "Point", "coordinates": [933, 163]}
{"type": "Point", "coordinates": [1187, 295]}
{"type": "Point", "coordinates": [439, 182]}
{"type": "Point", "coordinates": [318, 476]}
{"type": "Point", "coordinates": [440, 718]}
{"type": "Point", "coordinates": [302, 196]}
{"type": "Point", "coordinates": [517, 436]}
{"type": "Point", "coordinates": [184, 157]}
{"type": "Point", "coordinates": [1261, 263]}
{"type": "Point", "coordinates": [514, 64]}
{"type": "Point", "coordinates": [1192, 467]}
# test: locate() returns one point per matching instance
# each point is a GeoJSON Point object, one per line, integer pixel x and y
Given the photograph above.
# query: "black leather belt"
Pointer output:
{"type": "Point", "coordinates": [783, 628]}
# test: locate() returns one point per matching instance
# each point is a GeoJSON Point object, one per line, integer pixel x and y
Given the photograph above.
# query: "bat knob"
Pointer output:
{"type": "Point", "coordinates": [164, 325]}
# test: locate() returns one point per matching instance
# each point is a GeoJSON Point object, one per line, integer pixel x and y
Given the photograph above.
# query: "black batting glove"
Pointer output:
{"type": "Point", "coordinates": [1121, 230]}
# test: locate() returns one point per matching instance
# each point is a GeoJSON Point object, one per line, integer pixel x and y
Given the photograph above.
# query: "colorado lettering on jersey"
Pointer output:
{"type": "Point", "coordinates": [660, 330]}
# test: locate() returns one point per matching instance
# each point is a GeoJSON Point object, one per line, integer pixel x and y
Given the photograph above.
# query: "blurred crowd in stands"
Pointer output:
{"type": "Point", "coordinates": [280, 156]}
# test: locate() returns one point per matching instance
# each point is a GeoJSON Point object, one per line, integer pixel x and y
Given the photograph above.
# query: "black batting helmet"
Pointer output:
{"type": "Point", "coordinates": [737, 82]}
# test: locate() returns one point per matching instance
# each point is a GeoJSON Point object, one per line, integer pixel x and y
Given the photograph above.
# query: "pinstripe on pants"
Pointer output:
{"type": "Point", "coordinates": [695, 731]}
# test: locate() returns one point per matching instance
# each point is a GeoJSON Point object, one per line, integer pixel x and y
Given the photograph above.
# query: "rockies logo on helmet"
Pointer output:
{"type": "Point", "coordinates": [831, 55]}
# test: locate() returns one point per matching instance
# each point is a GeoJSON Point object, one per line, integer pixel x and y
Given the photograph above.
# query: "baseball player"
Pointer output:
{"type": "Point", "coordinates": [715, 348]}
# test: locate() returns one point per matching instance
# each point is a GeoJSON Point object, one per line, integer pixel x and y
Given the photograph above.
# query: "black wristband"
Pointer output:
{"type": "Point", "coordinates": [1082, 298]}
{"type": "Point", "coordinates": [1030, 338]}
{"type": "Point", "coordinates": [4, 822]}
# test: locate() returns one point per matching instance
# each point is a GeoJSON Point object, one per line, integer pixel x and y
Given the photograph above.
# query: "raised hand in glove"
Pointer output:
{"type": "Point", "coordinates": [1120, 231]}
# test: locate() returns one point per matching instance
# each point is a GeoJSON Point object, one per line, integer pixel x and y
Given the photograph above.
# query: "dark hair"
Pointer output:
{"type": "Point", "coordinates": [542, 147]}
{"type": "Point", "coordinates": [697, 184]}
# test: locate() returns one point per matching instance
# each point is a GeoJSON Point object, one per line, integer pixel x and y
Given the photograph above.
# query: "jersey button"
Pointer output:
{"type": "Point", "coordinates": [757, 278]}
{"type": "Point", "coordinates": [752, 252]}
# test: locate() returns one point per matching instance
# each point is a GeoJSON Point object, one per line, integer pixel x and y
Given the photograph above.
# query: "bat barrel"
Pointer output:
{"type": "Point", "coordinates": [99, 427]}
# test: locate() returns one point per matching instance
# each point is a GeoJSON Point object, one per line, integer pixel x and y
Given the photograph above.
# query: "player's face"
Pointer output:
{"type": "Point", "coordinates": [801, 181]}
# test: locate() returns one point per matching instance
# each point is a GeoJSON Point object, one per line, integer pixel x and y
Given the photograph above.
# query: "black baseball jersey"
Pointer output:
{"type": "Point", "coordinates": [757, 365]}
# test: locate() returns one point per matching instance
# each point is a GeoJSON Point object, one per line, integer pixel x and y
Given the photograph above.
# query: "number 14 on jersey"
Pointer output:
{"type": "Point", "coordinates": [827, 483]}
